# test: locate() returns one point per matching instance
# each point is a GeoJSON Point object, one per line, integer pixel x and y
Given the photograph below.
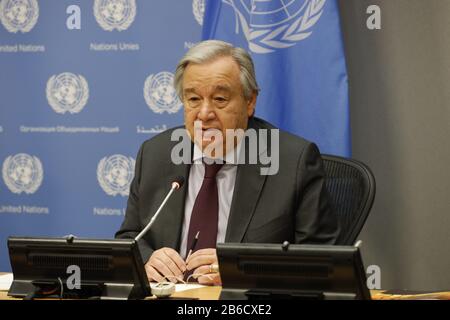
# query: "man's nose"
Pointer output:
{"type": "Point", "coordinates": [207, 111]}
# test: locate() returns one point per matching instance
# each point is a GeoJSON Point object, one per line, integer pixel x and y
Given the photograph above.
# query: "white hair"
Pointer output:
{"type": "Point", "coordinates": [209, 50]}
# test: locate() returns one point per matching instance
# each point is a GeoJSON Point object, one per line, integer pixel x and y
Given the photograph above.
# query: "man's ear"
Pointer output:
{"type": "Point", "coordinates": [251, 104]}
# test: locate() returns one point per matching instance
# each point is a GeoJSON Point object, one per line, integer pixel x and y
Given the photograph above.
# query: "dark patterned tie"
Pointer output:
{"type": "Point", "coordinates": [205, 213]}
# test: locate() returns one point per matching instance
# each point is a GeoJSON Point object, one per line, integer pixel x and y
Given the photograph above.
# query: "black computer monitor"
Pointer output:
{"type": "Point", "coordinates": [109, 269]}
{"type": "Point", "coordinates": [271, 271]}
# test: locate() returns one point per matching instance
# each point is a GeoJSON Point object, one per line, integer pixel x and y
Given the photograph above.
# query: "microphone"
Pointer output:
{"type": "Point", "coordinates": [176, 184]}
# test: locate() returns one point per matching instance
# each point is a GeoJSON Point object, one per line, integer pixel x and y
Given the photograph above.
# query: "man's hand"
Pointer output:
{"type": "Point", "coordinates": [201, 262]}
{"type": "Point", "coordinates": [163, 264]}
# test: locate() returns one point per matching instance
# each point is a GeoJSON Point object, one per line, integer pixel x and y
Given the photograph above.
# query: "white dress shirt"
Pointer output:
{"type": "Point", "coordinates": [226, 178]}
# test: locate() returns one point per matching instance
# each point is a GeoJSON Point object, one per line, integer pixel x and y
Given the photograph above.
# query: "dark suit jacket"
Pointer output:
{"type": "Point", "coordinates": [291, 205]}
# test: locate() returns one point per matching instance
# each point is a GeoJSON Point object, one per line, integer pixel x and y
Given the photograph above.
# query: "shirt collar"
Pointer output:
{"type": "Point", "coordinates": [231, 157]}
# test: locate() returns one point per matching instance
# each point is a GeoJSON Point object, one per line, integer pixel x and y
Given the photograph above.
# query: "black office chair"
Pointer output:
{"type": "Point", "coordinates": [351, 186]}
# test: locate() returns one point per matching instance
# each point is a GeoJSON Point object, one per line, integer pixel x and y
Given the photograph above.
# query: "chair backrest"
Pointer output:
{"type": "Point", "coordinates": [351, 185]}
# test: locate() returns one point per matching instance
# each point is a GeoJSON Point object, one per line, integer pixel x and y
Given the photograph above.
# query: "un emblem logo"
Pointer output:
{"type": "Point", "coordinates": [114, 174]}
{"type": "Point", "coordinates": [19, 15]}
{"type": "Point", "coordinates": [22, 173]}
{"type": "Point", "coordinates": [272, 25]}
{"type": "Point", "coordinates": [198, 9]}
{"type": "Point", "coordinates": [114, 14]}
{"type": "Point", "coordinates": [67, 92]}
{"type": "Point", "coordinates": [160, 94]}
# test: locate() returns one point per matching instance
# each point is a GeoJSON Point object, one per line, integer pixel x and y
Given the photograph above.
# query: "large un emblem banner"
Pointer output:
{"type": "Point", "coordinates": [82, 85]}
{"type": "Point", "coordinates": [298, 51]}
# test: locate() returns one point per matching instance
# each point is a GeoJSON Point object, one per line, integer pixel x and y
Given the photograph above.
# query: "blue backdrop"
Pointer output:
{"type": "Point", "coordinates": [84, 83]}
{"type": "Point", "coordinates": [75, 105]}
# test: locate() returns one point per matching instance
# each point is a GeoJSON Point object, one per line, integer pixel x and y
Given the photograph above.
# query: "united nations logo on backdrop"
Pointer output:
{"type": "Point", "coordinates": [160, 94]}
{"type": "Point", "coordinates": [114, 174]}
{"type": "Point", "coordinates": [114, 14]}
{"type": "Point", "coordinates": [22, 173]}
{"type": "Point", "coordinates": [19, 15]}
{"type": "Point", "coordinates": [67, 92]}
{"type": "Point", "coordinates": [273, 25]}
{"type": "Point", "coordinates": [198, 9]}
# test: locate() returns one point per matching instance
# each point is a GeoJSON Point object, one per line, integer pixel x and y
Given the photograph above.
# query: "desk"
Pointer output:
{"type": "Point", "coordinates": [207, 293]}
{"type": "Point", "coordinates": [213, 293]}
{"type": "Point", "coordinates": [404, 295]}
{"type": "Point", "coordinates": [4, 296]}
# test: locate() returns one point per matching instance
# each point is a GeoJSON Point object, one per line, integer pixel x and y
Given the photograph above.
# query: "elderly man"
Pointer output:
{"type": "Point", "coordinates": [224, 201]}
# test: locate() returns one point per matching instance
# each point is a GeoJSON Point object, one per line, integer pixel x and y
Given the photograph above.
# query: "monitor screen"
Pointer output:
{"type": "Point", "coordinates": [271, 271]}
{"type": "Point", "coordinates": [108, 269]}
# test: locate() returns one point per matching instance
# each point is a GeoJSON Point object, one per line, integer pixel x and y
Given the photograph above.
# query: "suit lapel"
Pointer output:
{"type": "Point", "coordinates": [247, 190]}
{"type": "Point", "coordinates": [249, 183]}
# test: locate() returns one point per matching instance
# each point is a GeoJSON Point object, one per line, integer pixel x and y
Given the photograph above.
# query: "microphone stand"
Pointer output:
{"type": "Point", "coordinates": [175, 185]}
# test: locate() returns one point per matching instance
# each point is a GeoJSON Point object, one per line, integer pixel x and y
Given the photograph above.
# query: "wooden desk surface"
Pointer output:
{"type": "Point", "coordinates": [213, 293]}
{"type": "Point", "coordinates": [207, 293]}
{"type": "Point", "coordinates": [4, 296]}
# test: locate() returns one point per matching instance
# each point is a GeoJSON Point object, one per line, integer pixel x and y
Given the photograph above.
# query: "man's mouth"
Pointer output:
{"type": "Point", "coordinates": [210, 132]}
{"type": "Point", "coordinates": [209, 129]}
